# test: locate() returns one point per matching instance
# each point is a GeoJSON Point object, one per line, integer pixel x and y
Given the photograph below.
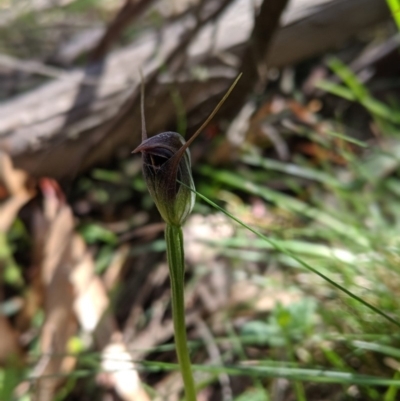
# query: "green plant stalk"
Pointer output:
{"type": "Point", "coordinates": [176, 264]}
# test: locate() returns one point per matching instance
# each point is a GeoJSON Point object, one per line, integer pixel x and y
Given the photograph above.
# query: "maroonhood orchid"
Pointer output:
{"type": "Point", "coordinates": [166, 166]}
{"type": "Point", "coordinates": [164, 162]}
{"type": "Point", "coordinates": [168, 175]}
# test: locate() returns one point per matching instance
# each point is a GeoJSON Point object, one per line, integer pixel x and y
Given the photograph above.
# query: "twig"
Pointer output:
{"type": "Point", "coordinates": [130, 11]}
{"type": "Point", "coordinates": [215, 357]}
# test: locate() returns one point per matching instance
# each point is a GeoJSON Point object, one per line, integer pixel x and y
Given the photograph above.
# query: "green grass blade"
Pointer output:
{"type": "Point", "coordinates": [383, 349]}
{"type": "Point", "coordinates": [293, 169]}
{"type": "Point", "coordinates": [374, 106]}
{"type": "Point", "coordinates": [349, 78]}
{"type": "Point", "coordinates": [286, 202]}
{"type": "Point", "coordinates": [256, 369]}
{"type": "Point", "coordinates": [391, 393]}
{"type": "Point", "coordinates": [356, 91]}
{"type": "Point", "coordinates": [336, 89]}
{"type": "Point", "coordinates": [295, 246]}
{"type": "Point", "coordinates": [301, 374]}
{"type": "Point", "coordinates": [394, 6]}
{"type": "Point", "coordinates": [347, 138]}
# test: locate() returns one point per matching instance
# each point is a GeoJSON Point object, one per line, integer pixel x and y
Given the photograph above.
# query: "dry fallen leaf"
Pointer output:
{"type": "Point", "coordinates": [64, 281]}
{"type": "Point", "coordinates": [53, 243]}
{"type": "Point", "coordinates": [15, 193]}
{"type": "Point", "coordinates": [10, 350]}
{"type": "Point", "coordinates": [14, 184]}
{"type": "Point", "coordinates": [120, 373]}
{"type": "Point", "coordinates": [73, 294]}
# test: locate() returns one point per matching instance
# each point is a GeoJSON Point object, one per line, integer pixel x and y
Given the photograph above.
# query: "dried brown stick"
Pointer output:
{"type": "Point", "coordinates": [128, 13]}
{"type": "Point", "coordinates": [254, 61]}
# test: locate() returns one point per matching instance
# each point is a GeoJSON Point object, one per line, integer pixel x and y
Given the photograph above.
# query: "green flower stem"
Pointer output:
{"type": "Point", "coordinates": [176, 263]}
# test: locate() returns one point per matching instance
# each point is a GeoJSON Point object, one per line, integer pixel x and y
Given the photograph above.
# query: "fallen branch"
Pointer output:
{"type": "Point", "coordinates": [75, 121]}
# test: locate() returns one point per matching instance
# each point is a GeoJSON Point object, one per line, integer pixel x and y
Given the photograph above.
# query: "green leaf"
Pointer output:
{"type": "Point", "coordinates": [254, 394]}
{"type": "Point", "coordinates": [93, 233]}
